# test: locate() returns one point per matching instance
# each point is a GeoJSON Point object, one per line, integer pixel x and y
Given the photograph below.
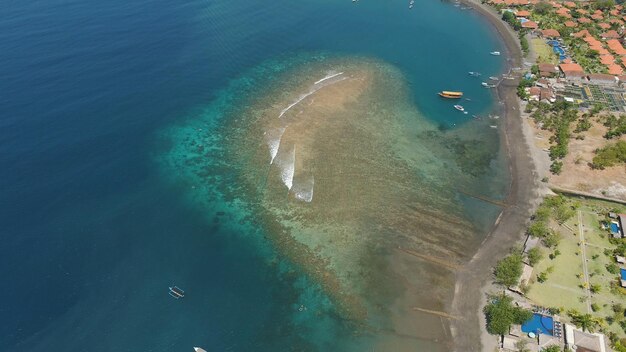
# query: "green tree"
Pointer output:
{"type": "Point", "coordinates": [509, 270]}
{"type": "Point", "coordinates": [542, 8]}
{"type": "Point", "coordinates": [595, 288]}
{"type": "Point", "coordinates": [534, 256]}
{"type": "Point", "coordinates": [501, 313]}
{"type": "Point", "coordinates": [584, 321]}
{"type": "Point", "coordinates": [553, 348]}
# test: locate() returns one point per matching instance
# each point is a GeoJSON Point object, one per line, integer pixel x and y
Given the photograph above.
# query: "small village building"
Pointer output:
{"type": "Point", "coordinates": [522, 13]}
{"type": "Point", "coordinates": [614, 12]}
{"type": "Point", "coordinates": [582, 33]}
{"type": "Point", "coordinates": [578, 340]}
{"type": "Point", "coordinates": [534, 93]}
{"type": "Point", "coordinates": [582, 11]}
{"type": "Point", "coordinates": [584, 20]}
{"type": "Point", "coordinates": [602, 79]}
{"type": "Point", "coordinates": [547, 70]}
{"type": "Point", "coordinates": [571, 24]}
{"type": "Point", "coordinates": [530, 25]}
{"type": "Point", "coordinates": [570, 4]}
{"type": "Point", "coordinates": [571, 67]}
{"type": "Point", "coordinates": [597, 17]}
{"type": "Point", "coordinates": [607, 59]}
{"type": "Point", "coordinates": [575, 76]}
{"type": "Point", "coordinates": [615, 69]}
{"type": "Point", "coordinates": [604, 25]}
{"type": "Point", "coordinates": [612, 34]}
{"type": "Point", "coordinates": [550, 33]}
{"type": "Point", "coordinates": [616, 47]}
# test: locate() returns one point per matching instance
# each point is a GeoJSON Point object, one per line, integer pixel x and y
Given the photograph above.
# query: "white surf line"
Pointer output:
{"type": "Point", "coordinates": [311, 92]}
{"type": "Point", "coordinates": [328, 77]}
{"type": "Point", "coordinates": [274, 145]}
{"type": "Point", "coordinates": [289, 170]}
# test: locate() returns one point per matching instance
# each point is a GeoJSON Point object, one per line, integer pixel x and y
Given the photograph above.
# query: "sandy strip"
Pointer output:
{"type": "Point", "coordinates": [525, 191]}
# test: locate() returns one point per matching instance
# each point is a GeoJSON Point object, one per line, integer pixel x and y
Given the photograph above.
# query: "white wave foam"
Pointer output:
{"type": "Point", "coordinates": [273, 138]}
{"type": "Point", "coordinates": [304, 191]}
{"type": "Point", "coordinates": [288, 168]}
{"type": "Point", "coordinates": [314, 89]}
{"type": "Point", "coordinates": [329, 77]}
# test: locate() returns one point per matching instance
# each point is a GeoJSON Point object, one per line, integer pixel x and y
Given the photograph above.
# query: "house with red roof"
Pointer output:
{"type": "Point", "coordinates": [604, 26]}
{"type": "Point", "coordinates": [616, 47]}
{"type": "Point", "coordinates": [612, 34]}
{"type": "Point", "coordinates": [571, 24]}
{"type": "Point", "coordinates": [581, 34]}
{"type": "Point", "coordinates": [584, 20]}
{"type": "Point", "coordinates": [530, 25]}
{"type": "Point", "coordinates": [597, 17]}
{"type": "Point", "coordinates": [550, 33]}
{"type": "Point", "coordinates": [615, 69]}
{"type": "Point", "coordinates": [522, 13]}
{"type": "Point", "coordinates": [607, 59]}
{"type": "Point", "coordinates": [571, 67]}
{"type": "Point", "coordinates": [602, 79]}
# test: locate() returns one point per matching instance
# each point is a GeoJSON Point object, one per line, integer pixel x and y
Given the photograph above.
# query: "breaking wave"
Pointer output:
{"type": "Point", "coordinates": [287, 166]}
{"type": "Point", "coordinates": [304, 191]}
{"type": "Point", "coordinates": [314, 89]}
{"type": "Point", "coordinates": [273, 137]}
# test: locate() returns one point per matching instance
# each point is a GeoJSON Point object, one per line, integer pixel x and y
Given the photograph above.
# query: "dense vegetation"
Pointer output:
{"type": "Point", "coordinates": [610, 155]}
{"type": "Point", "coordinates": [557, 119]}
{"type": "Point", "coordinates": [616, 126]}
{"type": "Point", "coordinates": [556, 208]}
{"type": "Point", "coordinates": [501, 313]}
{"type": "Point", "coordinates": [509, 270]}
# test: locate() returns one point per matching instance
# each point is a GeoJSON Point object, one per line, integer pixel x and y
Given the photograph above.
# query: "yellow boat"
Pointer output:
{"type": "Point", "coordinates": [450, 95]}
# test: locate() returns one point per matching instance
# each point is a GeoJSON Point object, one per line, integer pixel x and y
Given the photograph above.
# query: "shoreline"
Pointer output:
{"type": "Point", "coordinates": [473, 282]}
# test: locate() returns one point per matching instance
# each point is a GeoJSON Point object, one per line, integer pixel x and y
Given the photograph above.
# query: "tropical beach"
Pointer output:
{"type": "Point", "coordinates": [302, 176]}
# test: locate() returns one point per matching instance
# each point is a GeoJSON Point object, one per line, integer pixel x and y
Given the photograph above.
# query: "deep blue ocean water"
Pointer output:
{"type": "Point", "coordinates": [92, 232]}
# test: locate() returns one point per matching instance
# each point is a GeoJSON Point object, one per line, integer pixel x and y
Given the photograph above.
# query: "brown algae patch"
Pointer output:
{"type": "Point", "coordinates": [331, 157]}
{"type": "Point", "coordinates": [335, 164]}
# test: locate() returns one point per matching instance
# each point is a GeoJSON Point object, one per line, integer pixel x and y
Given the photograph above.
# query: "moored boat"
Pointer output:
{"type": "Point", "coordinates": [176, 292]}
{"type": "Point", "coordinates": [199, 349]}
{"type": "Point", "coordinates": [450, 95]}
{"type": "Point", "coordinates": [459, 107]}
{"type": "Point", "coordinates": [495, 53]}
{"type": "Point", "coordinates": [474, 74]}
{"type": "Point", "coordinates": [493, 78]}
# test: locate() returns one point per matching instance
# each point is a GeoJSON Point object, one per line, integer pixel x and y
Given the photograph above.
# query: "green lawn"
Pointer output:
{"type": "Point", "coordinates": [563, 288]}
{"type": "Point", "coordinates": [544, 51]}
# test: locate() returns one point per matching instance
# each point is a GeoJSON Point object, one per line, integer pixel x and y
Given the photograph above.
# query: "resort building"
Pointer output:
{"type": "Point", "coordinates": [550, 33]}
{"type": "Point", "coordinates": [530, 25]}
{"type": "Point", "coordinates": [602, 79]}
{"type": "Point", "coordinates": [578, 340]}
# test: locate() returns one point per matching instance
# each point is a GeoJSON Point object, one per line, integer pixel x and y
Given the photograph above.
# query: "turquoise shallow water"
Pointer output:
{"type": "Point", "coordinates": [96, 225]}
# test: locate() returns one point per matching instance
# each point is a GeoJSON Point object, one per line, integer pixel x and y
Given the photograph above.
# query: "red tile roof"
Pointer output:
{"type": "Point", "coordinates": [616, 47]}
{"type": "Point", "coordinates": [550, 33]}
{"type": "Point", "coordinates": [604, 25]}
{"type": "Point", "coordinates": [522, 13]}
{"type": "Point", "coordinates": [582, 33]}
{"type": "Point", "coordinates": [607, 59]}
{"type": "Point", "coordinates": [570, 4]}
{"type": "Point", "coordinates": [571, 68]}
{"type": "Point", "coordinates": [584, 20]}
{"type": "Point", "coordinates": [597, 17]}
{"type": "Point", "coordinates": [530, 24]}
{"type": "Point", "coordinates": [611, 35]}
{"type": "Point", "coordinates": [615, 69]}
{"type": "Point", "coordinates": [571, 24]}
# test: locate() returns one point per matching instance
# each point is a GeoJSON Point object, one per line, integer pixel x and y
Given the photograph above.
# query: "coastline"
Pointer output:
{"type": "Point", "coordinates": [474, 280]}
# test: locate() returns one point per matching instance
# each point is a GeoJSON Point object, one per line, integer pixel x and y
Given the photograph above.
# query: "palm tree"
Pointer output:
{"type": "Point", "coordinates": [585, 321]}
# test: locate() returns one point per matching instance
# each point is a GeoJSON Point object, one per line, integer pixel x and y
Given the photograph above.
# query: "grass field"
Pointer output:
{"type": "Point", "coordinates": [565, 287]}
{"type": "Point", "coordinates": [544, 51]}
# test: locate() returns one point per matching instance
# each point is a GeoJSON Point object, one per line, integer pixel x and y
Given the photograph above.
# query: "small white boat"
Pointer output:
{"type": "Point", "coordinates": [495, 53]}
{"type": "Point", "coordinates": [474, 74]}
{"type": "Point", "coordinates": [484, 84]}
{"type": "Point", "coordinates": [493, 78]}
{"type": "Point", "coordinates": [493, 126]}
{"type": "Point", "coordinates": [176, 292]}
{"type": "Point", "coordinates": [199, 349]}
{"type": "Point", "coordinates": [459, 107]}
